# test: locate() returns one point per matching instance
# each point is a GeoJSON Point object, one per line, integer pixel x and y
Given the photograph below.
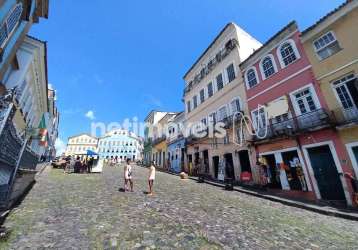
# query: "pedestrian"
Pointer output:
{"type": "Point", "coordinates": [90, 165]}
{"type": "Point", "coordinates": [78, 165]}
{"type": "Point", "coordinates": [128, 176]}
{"type": "Point", "coordinates": [151, 177]}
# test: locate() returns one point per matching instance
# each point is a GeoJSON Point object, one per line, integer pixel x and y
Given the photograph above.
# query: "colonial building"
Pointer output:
{"type": "Point", "coordinates": [16, 19]}
{"type": "Point", "coordinates": [213, 93]}
{"type": "Point", "coordinates": [79, 144]}
{"type": "Point", "coordinates": [151, 120]}
{"type": "Point", "coordinates": [159, 141]}
{"type": "Point", "coordinates": [332, 48]}
{"type": "Point", "coordinates": [120, 145]}
{"type": "Point", "coordinates": [294, 140]}
{"type": "Point", "coordinates": [53, 118]}
{"type": "Point", "coordinates": [176, 143]}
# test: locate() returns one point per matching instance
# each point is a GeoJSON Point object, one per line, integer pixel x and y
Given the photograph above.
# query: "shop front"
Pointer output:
{"type": "Point", "coordinates": [284, 171]}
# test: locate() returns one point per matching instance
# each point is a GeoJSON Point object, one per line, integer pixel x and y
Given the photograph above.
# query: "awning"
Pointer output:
{"type": "Point", "coordinates": [90, 152]}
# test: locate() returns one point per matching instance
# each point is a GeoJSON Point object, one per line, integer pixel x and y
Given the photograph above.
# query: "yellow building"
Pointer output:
{"type": "Point", "coordinates": [159, 141]}
{"type": "Point", "coordinates": [332, 48]}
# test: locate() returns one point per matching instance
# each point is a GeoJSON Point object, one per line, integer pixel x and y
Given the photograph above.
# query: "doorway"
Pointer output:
{"type": "Point", "coordinates": [206, 161]}
{"type": "Point", "coordinates": [216, 165]}
{"type": "Point", "coordinates": [244, 160]}
{"type": "Point", "coordinates": [326, 174]}
{"type": "Point", "coordinates": [229, 168]}
{"type": "Point", "coordinates": [272, 171]}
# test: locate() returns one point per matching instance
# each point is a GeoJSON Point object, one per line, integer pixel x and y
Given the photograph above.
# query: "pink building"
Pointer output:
{"type": "Point", "coordinates": [297, 148]}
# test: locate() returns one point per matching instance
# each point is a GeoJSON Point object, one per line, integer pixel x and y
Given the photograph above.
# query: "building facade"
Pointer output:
{"type": "Point", "coordinates": [159, 141]}
{"type": "Point", "coordinates": [79, 144]}
{"type": "Point", "coordinates": [298, 150]}
{"type": "Point", "coordinates": [16, 19]}
{"type": "Point", "coordinates": [120, 145]}
{"type": "Point", "coordinates": [332, 48]}
{"type": "Point", "coordinates": [213, 93]}
{"type": "Point", "coordinates": [176, 143]}
{"type": "Point", "coordinates": [151, 120]}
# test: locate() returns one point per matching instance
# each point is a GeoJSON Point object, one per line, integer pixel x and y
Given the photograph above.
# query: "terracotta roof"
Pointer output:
{"type": "Point", "coordinates": [326, 16]}
{"type": "Point", "coordinates": [207, 49]}
{"type": "Point", "coordinates": [269, 40]}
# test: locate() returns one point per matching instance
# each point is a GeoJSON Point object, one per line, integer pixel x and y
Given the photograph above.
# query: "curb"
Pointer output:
{"type": "Point", "coordinates": [313, 208]}
{"type": "Point", "coordinates": [310, 207]}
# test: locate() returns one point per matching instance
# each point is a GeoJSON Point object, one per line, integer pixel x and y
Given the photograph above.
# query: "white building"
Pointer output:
{"type": "Point", "coordinates": [213, 92]}
{"type": "Point", "coordinates": [79, 144]}
{"type": "Point", "coordinates": [120, 145]}
{"type": "Point", "coordinates": [28, 73]}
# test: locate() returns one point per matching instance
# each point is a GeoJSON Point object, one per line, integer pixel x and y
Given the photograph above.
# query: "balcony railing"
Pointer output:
{"type": "Point", "coordinates": [307, 122]}
{"type": "Point", "coordinates": [159, 140]}
{"type": "Point", "coordinates": [346, 116]}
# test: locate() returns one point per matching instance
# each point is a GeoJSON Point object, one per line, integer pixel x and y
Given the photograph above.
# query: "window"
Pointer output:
{"type": "Point", "coordinates": [259, 118]}
{"type": "Point", "coordinates": [188, 106]}
{"type": "Point", "coordinates": [203, 121]}
{"type": "Point", "coordinates": [267, 67]}
{"type": "Point", "coordinates": [304, 101]}
{"type": "Point", "coordinates": [195, 102]}
{"type": "Point", "coordinates": [219, 82]}
{"type": "Point", "coordinates": [288, 53]}
{"type": "Point", "coordinates": [251, 78]}
{"type": "Point", "coordinates": [9, 24]}
{"type": "Point", "coordinates": [235, 105]}
{"type": "Point", "coordinates": [222, 113]}
{"type": "Point", "coordinates": [326, 45]}
{"type": "Point", "coordinates": [210, 89]}
{"type": "Point", "coordinates": [202, 96]}
{"type": "Point", "coordinates": [347, 92]}
{"type": "Point", "coordinates": [212, 118]}
{"type": "Point", "coordinates": [230, 72]}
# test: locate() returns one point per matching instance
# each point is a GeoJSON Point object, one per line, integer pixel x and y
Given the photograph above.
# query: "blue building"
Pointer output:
{"type": "Point", "coordinates": [120, 145]}
{"type": "Point", "coordinates": [176, 144]}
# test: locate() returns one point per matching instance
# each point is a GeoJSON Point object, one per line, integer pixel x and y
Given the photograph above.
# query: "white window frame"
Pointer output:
{"type": "Point", "coordinates": [240, 104]}
{"type": "Point", "coordinates": [227, 75]}
{"type": "Point", "coordinates": [204, 95]}
{"type": "Point", "coordinates": [262, 68]}
{"type": "Point", "coordinates": [334, 86]}
{"type": "Point", "coordinates": [5, 22]}
{"type": "Point", "coordinates": [295, 50]}
{"type": "Point", "coordinates": [256, 127]}
{"type": "Point", "coordinates": [317, 50]}
{"type": "Point", "coordinates": [216, 82]}
{"type": "Point", "coordinates": [256, 75]}
{"type": "Point", "coordinates": [218, 113]}
{"type": "Point", "coordinates": [314, 97]}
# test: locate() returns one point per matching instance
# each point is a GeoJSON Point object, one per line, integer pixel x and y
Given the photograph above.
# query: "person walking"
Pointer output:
{"type": "Point", "coordinates": [78, 165]}
{"type": "Point", "coordinates": [128, 176]}
{"type": "Point", "coordinates": [151, 177]}
{"type": "Point", "coordinates": [90, 165]}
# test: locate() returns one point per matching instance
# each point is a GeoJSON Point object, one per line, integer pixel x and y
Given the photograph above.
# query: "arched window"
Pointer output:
{"type": "Point", "coordinates": [251, 78]}
{"type": "Point", "coordinates": [267, 66]}
{"type": "Point", "coordinates": [288, 53]}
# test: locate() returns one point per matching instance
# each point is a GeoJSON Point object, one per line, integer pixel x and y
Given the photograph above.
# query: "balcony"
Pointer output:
{"type": "Point", "coordinates": [345, 116]}
{"type": "Point", "coordinates": [158, 140]}
{"type": "Point", "coordinates": [312, 121]}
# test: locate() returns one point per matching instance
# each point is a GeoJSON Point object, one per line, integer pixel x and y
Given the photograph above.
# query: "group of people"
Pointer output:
{"type": "Point", "coordinates": [79, 166]}
{"type": "Point", "coordinates": [128, 177]}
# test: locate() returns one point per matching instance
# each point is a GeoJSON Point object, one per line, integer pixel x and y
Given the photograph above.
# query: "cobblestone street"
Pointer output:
{"type": "Point", "coordinates": [88, 212]}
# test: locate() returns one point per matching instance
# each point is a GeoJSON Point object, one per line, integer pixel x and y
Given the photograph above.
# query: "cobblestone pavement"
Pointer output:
{"type": "Point", "coordinates": [88, 212]}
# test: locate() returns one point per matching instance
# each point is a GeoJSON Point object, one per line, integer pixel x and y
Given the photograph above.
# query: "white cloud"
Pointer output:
{"type": "Point", "coordinates": [60, 147]}
{"type": "Point", "coordinates": [90, 115]}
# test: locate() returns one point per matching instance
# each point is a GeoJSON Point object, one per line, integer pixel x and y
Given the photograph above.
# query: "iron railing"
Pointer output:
{"type": "Point", "coordinates": [311, 121]}
{"type": "Point", "coordinates": [344, 116]}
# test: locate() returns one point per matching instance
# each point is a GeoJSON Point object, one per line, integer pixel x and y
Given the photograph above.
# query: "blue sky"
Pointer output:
{"type": "Point", "coordinates": [121, 59]}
